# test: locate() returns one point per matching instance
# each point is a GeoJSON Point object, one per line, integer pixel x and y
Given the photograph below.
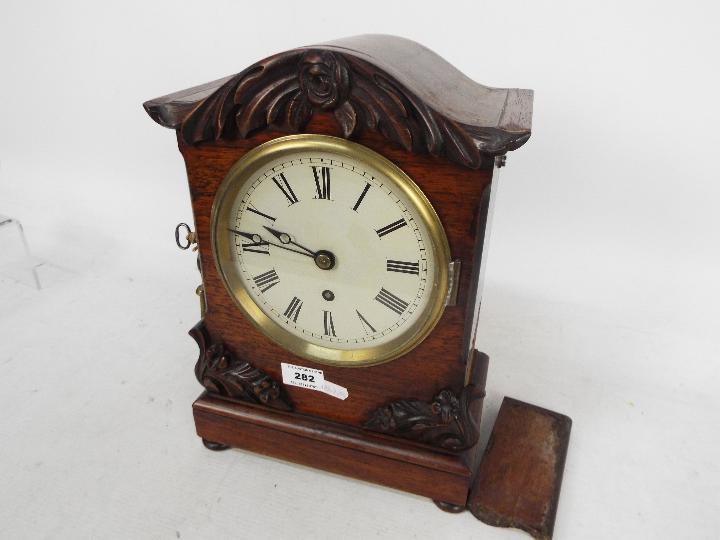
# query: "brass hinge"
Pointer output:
{"type": "Point", "coordinates": [453, 282]}
{"type": "Point", "coordinates": [203, 304]}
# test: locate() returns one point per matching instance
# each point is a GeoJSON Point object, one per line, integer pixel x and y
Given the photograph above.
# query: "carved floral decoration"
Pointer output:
{"type": "Point", "coordinates": [445, 422]}
{"type": "Point", "coordinates": [222, 373]}
{"type": "Point", "coordinates": [285, 90]}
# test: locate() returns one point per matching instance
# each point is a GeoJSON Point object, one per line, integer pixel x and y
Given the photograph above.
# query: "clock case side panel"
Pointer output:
{"type": "Point", "coordinates": [438, 363]}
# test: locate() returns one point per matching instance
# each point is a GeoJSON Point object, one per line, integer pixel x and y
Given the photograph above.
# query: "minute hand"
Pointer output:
{"type": "Point", "coordinates": [286, 239]}
{"type": "Point", "coordinates": [258, 240]}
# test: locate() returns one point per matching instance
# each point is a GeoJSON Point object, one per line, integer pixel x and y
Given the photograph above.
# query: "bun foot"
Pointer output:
{"type": "Point", "coordinates": [449, 507]}
{"type": "Point", "coordinates": [214, 446]}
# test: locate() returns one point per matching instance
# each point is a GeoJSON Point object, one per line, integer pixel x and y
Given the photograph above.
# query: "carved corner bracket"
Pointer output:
{"type": "Point", "coordinates": [286, 89]}
{"type": "Point", "coordinates": [222, 373]}
{"type": "Point", "coordinates": [445, 422]}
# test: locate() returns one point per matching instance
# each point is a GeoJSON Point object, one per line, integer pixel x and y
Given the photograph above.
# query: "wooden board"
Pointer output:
{"type": "Point", "coordinates": [519, 478]}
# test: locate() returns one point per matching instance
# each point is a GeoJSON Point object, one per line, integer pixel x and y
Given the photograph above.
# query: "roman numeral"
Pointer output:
{"type": "Point", "coordinates": [362, 196]}
{"type": "Point", "coordinates": [257, 247]}
{"type": "Point", "coordinates": [322, 182]}
{"type": "Point", "coordinates": [267, 280]}
{"type": "Point", "coordinates": [293, 310]}
{"type": "Point", "coordinates": [403, 267]}
{"type": "Point", "coordinates": [394, 226]}
{"type": "Point", "coordinates": [283, 185]}
{"type": "Point", "coordinates": [251, 208]}
{"type": "Point", "coordinates": [328, 324]}
{"type": "Point", "coordinates": [365, 324]}
{"type": "Point", "coordinates": [389, 300]}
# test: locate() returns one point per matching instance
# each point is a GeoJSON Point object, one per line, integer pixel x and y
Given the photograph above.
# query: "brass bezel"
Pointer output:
{"type": "Point", "coordinates": [243, 170]}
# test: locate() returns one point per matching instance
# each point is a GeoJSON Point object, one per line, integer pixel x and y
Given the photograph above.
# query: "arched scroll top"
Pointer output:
{"type": "Point", "coordinates": [381, 83]}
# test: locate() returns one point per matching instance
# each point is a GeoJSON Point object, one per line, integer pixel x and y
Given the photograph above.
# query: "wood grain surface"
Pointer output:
{"type": "Point", "coordinates": [520, 475]}
{"type": "Point", "coordinates": [332, 447]}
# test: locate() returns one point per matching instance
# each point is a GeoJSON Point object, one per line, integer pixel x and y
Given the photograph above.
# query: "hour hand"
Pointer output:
{"type": "Point", "coordinates": [283, 237]}
{"type": "Point", "coordinates": [286, 239]}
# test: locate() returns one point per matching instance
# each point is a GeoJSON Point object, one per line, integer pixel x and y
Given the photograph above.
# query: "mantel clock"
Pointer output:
{"type": "Point", "coordinates": [341, 195]}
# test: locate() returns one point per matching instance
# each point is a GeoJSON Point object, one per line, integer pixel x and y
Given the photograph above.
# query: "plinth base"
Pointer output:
{"type": "Point", "coordinates": [336, 448]}
{"type": "Point", "coordinates": [517, 483]}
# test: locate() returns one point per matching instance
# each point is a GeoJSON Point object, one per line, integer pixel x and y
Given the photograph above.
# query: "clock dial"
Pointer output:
{"type": "Point", "coordinates": [336, 249]}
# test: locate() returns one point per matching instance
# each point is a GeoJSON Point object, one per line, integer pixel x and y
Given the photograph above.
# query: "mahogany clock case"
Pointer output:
{"type": "Point", "coordinates": [436, 363]}
{"type": "Point", "coordinates": [411, 423]}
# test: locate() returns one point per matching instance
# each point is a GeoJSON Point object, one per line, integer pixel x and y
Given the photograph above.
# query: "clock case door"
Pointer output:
{"type": "Point", "coordinates": [410, 423]}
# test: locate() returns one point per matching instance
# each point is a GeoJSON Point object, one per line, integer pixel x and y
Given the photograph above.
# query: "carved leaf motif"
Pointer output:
{"type": "Point", "coordinates": [299, 113]}
{"type": "Point", "coordinates": [264, 104]}
{"type": "Point", "coordinates": [460, 146]}
{"type": "Point", "coordinates": [285, 89]}
{"type": "Point", "coordinates": [386, 114]}
{"type": "Point", "coordinates": [347, 118]}
{"type": "Point", "coordinates": [445, 422]}
{"type": "Point", "coordinates": [222, 373]}
{"type": "Point", "coordinates": [207, 120]}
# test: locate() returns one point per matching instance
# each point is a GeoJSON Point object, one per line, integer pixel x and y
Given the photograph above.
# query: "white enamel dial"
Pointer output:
{"type": "Point", "coordinates": [331, 250]}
